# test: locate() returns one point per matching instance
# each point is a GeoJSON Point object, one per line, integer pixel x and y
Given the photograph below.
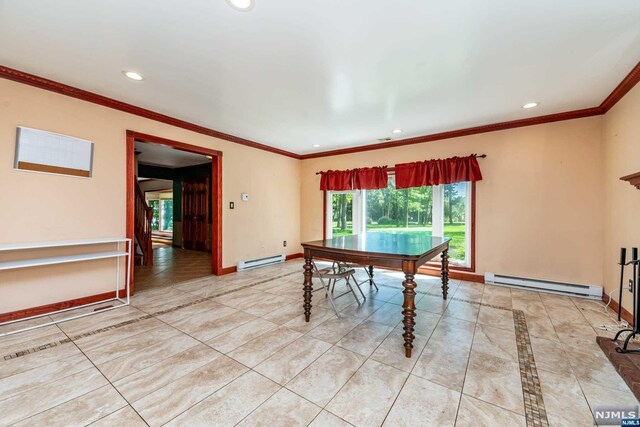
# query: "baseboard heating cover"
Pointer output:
{"type": "Point", "coordinates": [260, 262]}
{"type": "Point", "coordinates": [562, 288]}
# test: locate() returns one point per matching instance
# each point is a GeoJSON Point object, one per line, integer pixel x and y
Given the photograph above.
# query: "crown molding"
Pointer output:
{"type": "Point", "coordinates": [618, 93]}
{"type": "Point", "coordinates": [568, 115]}
{"type": "Point", "coordinates": [621, 90]}
{"type": "Point", "coordinates": [63, 89]}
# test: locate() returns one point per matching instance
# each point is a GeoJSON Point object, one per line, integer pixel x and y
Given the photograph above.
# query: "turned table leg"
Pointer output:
{"type": "Point", "coordinates": [371, 275]}
{"type": "Point", "coordinates": [307, 287]}
{"type": "Point", "coordinates": [409, 311]}
{"type": "Point", "coordinates": [445, 273]}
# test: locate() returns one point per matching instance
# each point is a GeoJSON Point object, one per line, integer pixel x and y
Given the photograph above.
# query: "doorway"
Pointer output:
{"type": "Point", "coordinates": [188, 218]}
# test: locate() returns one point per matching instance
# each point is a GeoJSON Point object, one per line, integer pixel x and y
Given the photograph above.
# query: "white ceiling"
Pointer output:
{"type": "Point", "coordinates": [338, 73]}
{"type": "Point", "coordinates": [160, 155]}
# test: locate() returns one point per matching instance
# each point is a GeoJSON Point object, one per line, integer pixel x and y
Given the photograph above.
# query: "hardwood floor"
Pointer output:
{"type": "Point", "coordinates": [170, 266]}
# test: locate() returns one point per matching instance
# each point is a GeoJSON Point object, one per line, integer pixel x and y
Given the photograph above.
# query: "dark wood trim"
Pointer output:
{"type": "Point", "coordinates": [294, 256]}
{"type": "Point", "coordinates": [229, 270]}
{"type": "Point", "coordinates": [49, 308]}
{"type": "Point", "coordinates": [63, 89]}
{"type": "Point", "coordinates": [37, 167]}
{"type": "Point", "coordinates": [622, 89]}
{"type": "Point", "coordinates": [454, 273]}
{"type": "Point", "coordinates": [625, 314]}
{"type": "Point", "coordinates": [568, 115]}
{"type": "Point", "coordinates": [216, 189]}
{"type": "Point", "coordinates": [29, 79]}
{"type": "Point", "coordinates": [633, 179]}
{"type": "Point", "coordinates": [216, 207]}
{"type": "Point", "coordinates": [152, 139]}
{"type": "Point", "coordinates": [131, 202]}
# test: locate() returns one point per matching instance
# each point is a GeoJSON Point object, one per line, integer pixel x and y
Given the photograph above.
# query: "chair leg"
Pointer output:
{"type": "Point", "coordinates": [359, 288]}
{"type": "Point", "coordinates": [333, 304]}
{"type": "Point", "coordinates": [354, 292]}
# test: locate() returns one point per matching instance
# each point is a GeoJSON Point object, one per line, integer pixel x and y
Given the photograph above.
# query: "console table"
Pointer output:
{"type": "Point", "coordinates": [117, 253]}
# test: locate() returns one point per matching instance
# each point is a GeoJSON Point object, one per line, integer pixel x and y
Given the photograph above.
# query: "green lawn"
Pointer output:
{"type": "Point", "coordinates": [454, 231]}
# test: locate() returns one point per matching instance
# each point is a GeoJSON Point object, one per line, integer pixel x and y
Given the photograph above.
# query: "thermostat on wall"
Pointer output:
{"type": "Point", "coordinates": [245, 197]}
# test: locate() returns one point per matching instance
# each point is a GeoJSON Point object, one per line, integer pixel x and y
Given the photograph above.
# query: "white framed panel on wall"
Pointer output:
{"type": "Point", "coordinates": [49, 152]}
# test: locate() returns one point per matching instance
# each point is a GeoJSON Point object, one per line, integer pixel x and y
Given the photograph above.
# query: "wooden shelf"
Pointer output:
{"type": "Point", "coordinates": [633, 179]}
{"type": "Point", "coordinates": [10, 265]}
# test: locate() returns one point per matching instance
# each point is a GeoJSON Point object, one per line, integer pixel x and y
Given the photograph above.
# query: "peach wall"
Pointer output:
{"type": "Point", "coordinates": [540, 210]}
{"type": "Point", "coordinates": [539, 207]}
{"type": "Point", "coordinates": [621, 134]}
{"type": "Point", "coordinates": [42, 207]}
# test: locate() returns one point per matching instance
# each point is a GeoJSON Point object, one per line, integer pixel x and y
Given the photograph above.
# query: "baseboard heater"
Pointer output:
{"type": "Point", "coordinates": [260, 262]}
{"type": "Point", "coordinates": [570, 289]}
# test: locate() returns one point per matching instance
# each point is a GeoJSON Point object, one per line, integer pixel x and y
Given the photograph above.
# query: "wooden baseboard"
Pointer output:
{"type": "Point", "coordinates": [294, 256]}
{"type": "Point", "coordinates": [228, 270]}
{"type": "Point", "coordinates": [49, 308]}
{"type": "Point", "coordinates": [453, 274]}
{"type": "Point", "coordinates": [625, 314]}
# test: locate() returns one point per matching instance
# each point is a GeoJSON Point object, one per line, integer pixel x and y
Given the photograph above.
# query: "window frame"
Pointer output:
{"type": "Point", "coordinates": [470, 213]}
{"type": "Point", "coordinates": [160, 200]}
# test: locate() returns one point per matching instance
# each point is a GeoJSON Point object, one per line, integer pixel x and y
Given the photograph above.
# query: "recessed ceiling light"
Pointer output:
{"type": "Point", "coordinates": [397, 131]}
{"type": "Point", "coordinates": [133, 75]}
{"type": "Point", "coordinates": [530, 105]}
{"type": "Point", "coordinates": [241, 5]}
{"type": "Point", "coordinates": [316, 145]}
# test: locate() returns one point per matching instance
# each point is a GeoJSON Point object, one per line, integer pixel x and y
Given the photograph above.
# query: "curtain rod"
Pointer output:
{"type": "Point", "coordinates": [480, 156]}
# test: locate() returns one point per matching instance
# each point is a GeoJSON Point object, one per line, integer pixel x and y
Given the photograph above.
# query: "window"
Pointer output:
{"type": "Point", "coordinates": [438, 210]}
{"type": "Point", "coordinates": [161, 205]}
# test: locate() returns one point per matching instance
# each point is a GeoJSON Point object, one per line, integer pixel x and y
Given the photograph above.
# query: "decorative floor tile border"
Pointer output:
{"type": "Point", "coordinates": [535, 412]}
{"type": "Point", "coordinates": [534, 409]}
{"type": "Point", "coordinates": [136, 320]}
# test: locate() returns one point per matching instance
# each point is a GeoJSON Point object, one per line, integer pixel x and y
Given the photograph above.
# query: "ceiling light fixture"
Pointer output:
{"type": "Point", "coordinates": [241, 5]}
{"type": "Point", "coordinates": [316, 145]}
{"type": "Point", "coordinates": [133, 75]}
{"type": "Point", "coordinates": [397, 131]}
{"type": "Point", "coordinates": [530, 105]}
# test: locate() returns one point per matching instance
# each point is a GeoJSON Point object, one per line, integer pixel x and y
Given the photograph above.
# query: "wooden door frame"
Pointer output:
{"type": "Point", "coordinates": [216, 191]}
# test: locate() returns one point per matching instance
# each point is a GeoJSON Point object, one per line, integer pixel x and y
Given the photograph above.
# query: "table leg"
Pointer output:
{"type": "Point", "coordinates": [371, 275]}
{"type": "Point", "coordinates": [308, 287]}
{"type": "Point", "coordinates": [445, 273]}
{"type": "Point", "coordinates": [409, 312]}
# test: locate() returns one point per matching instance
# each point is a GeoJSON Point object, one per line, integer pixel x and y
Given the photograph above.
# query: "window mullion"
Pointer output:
{"type": "Point", "coordinates": [438, 211]}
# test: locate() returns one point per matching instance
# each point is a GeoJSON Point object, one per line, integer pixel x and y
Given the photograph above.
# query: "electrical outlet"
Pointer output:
{"type": "Point", "coordinates": [284, 243]}
{"type": "Point", "coordinates": [630, 285]}
{"type": "Point", "coordinates": [231, 205]}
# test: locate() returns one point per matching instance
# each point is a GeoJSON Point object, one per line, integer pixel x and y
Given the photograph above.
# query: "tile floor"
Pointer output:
{"type": "Point", "coordinates": [235, 350]}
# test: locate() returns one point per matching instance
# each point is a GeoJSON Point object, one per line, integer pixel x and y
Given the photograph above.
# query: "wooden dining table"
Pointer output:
{"type": "Point", "coordinates": [406, 252]}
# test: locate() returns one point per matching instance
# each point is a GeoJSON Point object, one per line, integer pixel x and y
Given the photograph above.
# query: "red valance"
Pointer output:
{"type": "Point", "coordinates": [437, 172]}
{"type": "Point", "coordinates": [370, 178]}
{"type": "Point", "coordinates": [336, 180]}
